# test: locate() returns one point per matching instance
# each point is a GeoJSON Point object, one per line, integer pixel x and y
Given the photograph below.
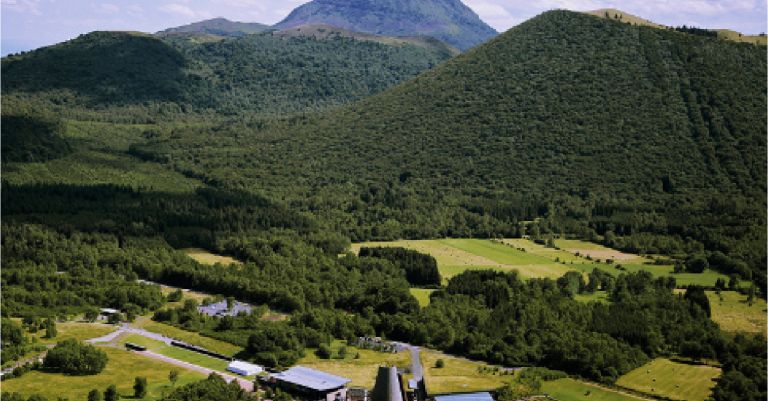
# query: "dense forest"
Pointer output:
{"type": "Point", "coordinates": [650, 141]}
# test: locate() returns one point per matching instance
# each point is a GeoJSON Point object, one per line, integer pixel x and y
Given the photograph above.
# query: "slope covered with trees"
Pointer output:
{"type": "Point", "coordinates": [119, 75]}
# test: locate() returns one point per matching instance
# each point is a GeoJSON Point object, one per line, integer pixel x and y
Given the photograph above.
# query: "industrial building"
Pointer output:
{"type": "Point", "coordinates": [309, 384]}
{"type": "Point", "coordinates": [221, 309]}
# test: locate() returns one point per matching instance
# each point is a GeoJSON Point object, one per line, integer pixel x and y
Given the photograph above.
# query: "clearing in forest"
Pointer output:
{"type": "Point", "coordinates": [422, 295]}
{"type": "Point", "coordinates": [121, 369]}
{"type": "Point", "coordinates": [732, 312]}
{"type": "Point", "coordinates": [674, 380]}
{"type": "Point", "coordinates": [207, 258]}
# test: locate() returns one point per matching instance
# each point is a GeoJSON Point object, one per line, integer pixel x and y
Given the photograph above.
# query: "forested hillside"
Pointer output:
{"type": "Point", "coordinates": [448, 20]}
{"type": "Point", "coordinates": [138, 78]}
{"type": "Point", "coordinates": [653, 139]}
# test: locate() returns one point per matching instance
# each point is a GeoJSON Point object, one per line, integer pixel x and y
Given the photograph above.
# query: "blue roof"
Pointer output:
{"type": "Point", "coordinates": [465, 397]}
{"type": "Point", "coordinates": [311, 379]}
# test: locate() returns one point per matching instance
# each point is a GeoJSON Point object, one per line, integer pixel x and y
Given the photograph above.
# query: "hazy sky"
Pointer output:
{"type": "Point", "coordinates": [28, 24]}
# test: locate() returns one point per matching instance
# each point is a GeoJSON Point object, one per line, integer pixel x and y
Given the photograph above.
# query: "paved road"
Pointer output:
{"type": "Point", "coordinates": [125, 328]}
{"type": "Point", "coordinates": [416, 368]}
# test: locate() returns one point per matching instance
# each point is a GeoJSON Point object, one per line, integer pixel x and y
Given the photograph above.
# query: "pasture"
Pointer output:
{"type": "Point", "coordinates": [731, 312]}
{"type": "Point", "coordinates": [422, 295]}
{"type": "Point", "coordinates": [532, 260]}
{"type": "Point", "coordinates": [362, 371]}
{"type": "Point", "coordinates": [677, 381]}
{"type": "Point", "coordinates": [76, 330]}
{"type": "Point", "coordinates": [207, 258]}
{"type": "Point", "coordinates": [459, 375]}
{"type": "Point", "coordinates": [121, 369]}
{"type": "Point", "coordinates": [574, 390]}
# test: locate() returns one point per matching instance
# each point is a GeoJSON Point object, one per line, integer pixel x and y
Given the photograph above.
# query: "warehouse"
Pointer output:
{"type": "Point", "coordinates": [309, 384]}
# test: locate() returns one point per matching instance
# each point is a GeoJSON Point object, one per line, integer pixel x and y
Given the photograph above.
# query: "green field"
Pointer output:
{"type": "Point", "coordinates": [189, 337]}
{"type": "Point", "coordinates": [597, 296]}
{"type": "Point", "coordinates": [175, 352]}
{"type": "Point", "coordinates": [677, 381]}
{"type": "Point", "coordinates": [731, 312]}
{"type": "Point", "coordinates": [459, 375]}
{"type": "Point", "coordinates": [122, 368]}
{"type": "Point", "coordinates": [455, 256]}
{"type": "Point", "coordinates": [573, 390]}
{"type": "Point", "coordinates": [78, 331]}
{"type": "Point", "coordinates": [208, 258]}
{"type": "Point", "coordinates": [362, 371]}
{"type": "Point", "coordinates": [422, 295]}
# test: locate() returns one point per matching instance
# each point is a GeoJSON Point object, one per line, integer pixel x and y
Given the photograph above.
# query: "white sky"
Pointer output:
{"type": "Point", "coordinates": [28, 24]}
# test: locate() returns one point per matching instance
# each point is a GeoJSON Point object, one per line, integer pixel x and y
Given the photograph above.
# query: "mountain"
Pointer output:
{"type": "Point", "coordinates": [218, 26]}
{"type": "Point", "coordinates": [322, 31]}
{"type": "Point", "coordinates": [448, 20]}
{"type": "Point", "coordinates": [260, 73]}
{"type": "Point", "coordinates": [592, 125]}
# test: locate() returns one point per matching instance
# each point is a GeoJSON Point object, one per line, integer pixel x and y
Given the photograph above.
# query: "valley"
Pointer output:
{"type": "Point", "coordinates": [368, 193]}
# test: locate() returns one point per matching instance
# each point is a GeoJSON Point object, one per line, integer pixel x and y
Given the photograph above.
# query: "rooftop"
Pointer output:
{"type": "Point", "coordinates": [220, 309]}
{"type": "Point", "coordinates": [311, 379]}
{"type": "Point", "coordinates": [465, 397]}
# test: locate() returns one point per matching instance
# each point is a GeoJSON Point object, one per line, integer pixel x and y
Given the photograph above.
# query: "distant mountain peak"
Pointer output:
{"type": "Point", "coordinates": [219, 26]}
{"type": "Point", "coordinates": [448, 20]}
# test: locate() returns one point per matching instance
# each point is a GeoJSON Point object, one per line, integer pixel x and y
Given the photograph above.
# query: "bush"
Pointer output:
{"type": "Point", "coordinates": [440, 364]}
{"type": "Point", "coordinates": [323, 352]}
{"type": "Point", "coordinates": [70, 356]}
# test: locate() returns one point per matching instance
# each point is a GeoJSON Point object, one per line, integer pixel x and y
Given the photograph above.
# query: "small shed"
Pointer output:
{"type": "Point", "coordinates": [244, 368]}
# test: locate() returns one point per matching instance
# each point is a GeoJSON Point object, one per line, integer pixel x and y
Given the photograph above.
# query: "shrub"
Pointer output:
{"type": "Point", "coordinates": [70, 356]}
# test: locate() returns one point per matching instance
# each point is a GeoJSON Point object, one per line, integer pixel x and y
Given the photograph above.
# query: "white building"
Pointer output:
{"type": "Point", "coordinates": [244, 368]}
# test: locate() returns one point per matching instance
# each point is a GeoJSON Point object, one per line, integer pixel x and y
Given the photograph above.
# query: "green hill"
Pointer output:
{"type": "Point", "coordinates": [181, 74]}
{"type": "Point", "coordinates": [653, 138]}
{"type": "Point", "coordinates": [448, 20]}
{"type": "Point", "coordinates": [218, 26]}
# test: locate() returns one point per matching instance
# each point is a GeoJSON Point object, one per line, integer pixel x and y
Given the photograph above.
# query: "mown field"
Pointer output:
{"type": "Point", "coordinates": [76, 330]}
{"type": "Point", "coordinates": [362, 371]}
{"type": "Point", "coordinates": [208, 258]}
{"type": "Point", "coordinates": [677, 381]}
{"type": "Point", "coordinates": [732, 312]}
{"type": "Point", "coordinates": [532, 260]}
{"type": "Point", "coordinates": [122, 368]}
{"type": "Point", "coordinates": [459, 375]}
{"type": "Point", "coordinates": [573, 390]}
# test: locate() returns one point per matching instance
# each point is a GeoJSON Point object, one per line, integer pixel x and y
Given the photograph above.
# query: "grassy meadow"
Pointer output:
{"type": "Point", "coordinates": [362, 371]}
{"type": "Point", "coordinates": [459, 375]}
{"type": "Point", "coordinates": [122, 367]}
{"type": "Point", "coordinates": [532, 260]}
{"type": "Point", "coordinates": [170, 351]}
{"type": "Point", "coordinates": [422, 295]}
{"type": "Point", "coordinates": [207, 258]}
{"type": "Point", "coordinates": [574, 390]}
{"type": "Point", "coordinates": [76, 330]}
{"type": "Point", "coordinates": [677, 381]}
{"type": "Point", "coordinates": [731, 312]}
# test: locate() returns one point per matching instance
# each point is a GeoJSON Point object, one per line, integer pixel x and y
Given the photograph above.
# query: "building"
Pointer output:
{"type": "Point", "coordinates": [358, 394]}
{"type": "Point", "coordinates": [105, 313]}
{"type": "Point", "coordinates": [309, 384]}
{"type": "Point", "coordinates": [244, 368]}
{"type": "Point", "coordinates": [389, 385]}
{"type": "Point", "coordinates": [220, 309]}
{"type": "Point", "coordinates": [465, 397]}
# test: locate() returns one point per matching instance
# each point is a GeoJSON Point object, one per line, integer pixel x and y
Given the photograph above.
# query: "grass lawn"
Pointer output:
{"type": "Point", "coordinates": [573, 390]}
{"type": "Point", "coordinates": [362, 371]}
{"type": "Point", "coordinates": [458, 374]}
{"type": "Point", "coordinates": [189, 337]}
{"type": "Point", "coordinates": [598, 296]}
{"type": "Point", "coordinates": [175, 352]}
{"type": "Point", "coordinates": [207, 258]}
{"type": "Point", "coordinates": [731, 312]}
{"type": "Point", "coordinates": [422, 295]}
{"type": "Point", "coordinates": [674, 380]}
{"type": "Point", "coordinates": [122, 368]}
{"type": "Point", "coordinates": [78, 331]}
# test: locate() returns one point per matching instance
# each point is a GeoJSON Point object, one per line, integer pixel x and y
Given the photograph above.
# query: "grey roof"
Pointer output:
{"type": "Point", "coordinates": [311, 379]}
{"type": "Point", "coordinates": [387, 387]}
{"type": "Point", "coordinates": [220, 309]}
{"type": "Point", "coordinates": [465, 397]}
